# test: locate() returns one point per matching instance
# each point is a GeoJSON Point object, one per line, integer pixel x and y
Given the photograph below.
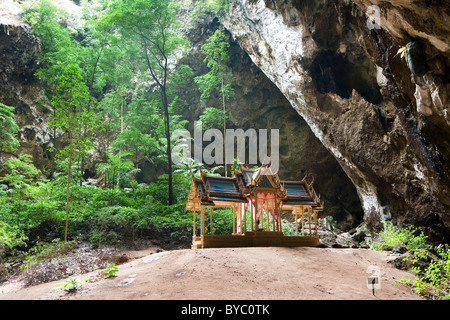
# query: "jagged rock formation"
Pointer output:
{"type": "Point", "coordinates": [20, 88]}
{"type": "Point", "coordinates": [338, 68]}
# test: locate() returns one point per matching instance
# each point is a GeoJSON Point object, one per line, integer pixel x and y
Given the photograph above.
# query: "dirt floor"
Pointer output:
{"type": "Point", "coordinates": [235, 273]}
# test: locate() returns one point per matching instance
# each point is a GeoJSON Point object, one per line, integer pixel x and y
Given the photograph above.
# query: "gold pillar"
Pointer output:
{"type": "Point", "coordinates": [279, 205]}
{"type": "Point", "coordinates": [202, 218]}
{"type": "Point", "coordinates": [252, 208]}
{"type": "Point", "coordinates": [275, 205]}
{"type": "Point", "coordinates": [256, 211]}
{"type": "Point", "coordinates": [245, 216]}
{"type": "Point", "coordinates": [273, 214]}
{"type": "Point", "coordinates": [303, 220]}
{"type": "Point", "coordinates": [315, 220]}
{"type": "Point", "coordinates": [194, 222]}
{"type": "Point", "coordinates": [309, 221]}
{"type": "Point", "coordinates": [261, 217]}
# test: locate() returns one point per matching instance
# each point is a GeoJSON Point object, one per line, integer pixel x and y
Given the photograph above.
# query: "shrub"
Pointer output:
{"type": "Point", "coordinates": [113, 224]}
{"type": "Point", "coordinates": [433, 281]}
{"type": "Point", "coordinates": [10, 238]}
{"type": "Point", "coordinates": [432, 272]}
{"type": "Point", "coordinates": [400, 237]}
{"type": "Point", "coordinates": [45, 251]}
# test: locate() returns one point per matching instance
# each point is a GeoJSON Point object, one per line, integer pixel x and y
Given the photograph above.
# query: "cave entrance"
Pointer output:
{"type": "Point", "coordinates": [332, 72]}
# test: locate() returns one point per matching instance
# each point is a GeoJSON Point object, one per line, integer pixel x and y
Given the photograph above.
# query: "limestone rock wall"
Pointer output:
{"type": "Point", "coordinates": [20, 88]}
{"type": "Point", "coordinates": [388, 130]}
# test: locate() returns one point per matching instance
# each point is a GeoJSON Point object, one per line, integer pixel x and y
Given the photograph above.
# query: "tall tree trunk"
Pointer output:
{"type": "Point", "coordinates": [68, 180]}
{"type": "Point", "coordinates": [91, 84]}
{"type": "Point", "coordinates": [163, 85]}
{"type": "Point", "coordinates": [121, 117]}
{"type": "Point", "coordinates": [20, 207]}
{"type": "Point", "coordinates": [169, 151]}
{"type": "Point", "coordinates": [81, 170]}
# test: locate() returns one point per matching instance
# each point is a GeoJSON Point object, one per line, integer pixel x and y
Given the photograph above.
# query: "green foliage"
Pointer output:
{"type": "Point", "coordinates": [188, 167]}
{"type": "Point", "coordinates": [433, 278]}
{"type": "Point", "coordinates": [112, 224]}
{"type": "Point", "coordinates": [70, 102]}
{"type": "Point", "coordinates": [204, 9]}
{"type": "Point", "coordinates": [10, 238]}
{"type": "Point", "coordinates": [143, 127]}
{"type": "Point", "coordinates": [92, 46]}
{"type": "Point", "coordinates": [216, 52]}
{"type": "Point", "coordinates": [45, 251]}
{"type": "Point", "coordinates": [22, 172]}
{"type": "Point", "coordinates": [71, 96]}
{"type": "Point", "coordinates": [152, 26]}
{"type": "Point", "coordinates": [433, 272]}
{"type": "Point", "coordinates": [113, 69]}
{"type": "Point", "coordinates": [111, 270]}
{"type": "Point", "coordinates": [104, 216]}
{"type": "Point", "coordinates": [8, 129]}
{"type": "Point", "coordinates": [72, 283]}
{"type": "Point", "coordinates": [218, 78]}
{"type": "Point", "coordinates": [117, 168]}
{"type": "Point", "coordinates": [58, 49]}
{"type": "Point", "coordinates": [288, 229]}
{"type": "Point", "coordinates": [223, 221]}
{"type": "Point", "coordinates": [400, 237]}
{"type": "Point", "coordinates": [20, 178]}
{"type": "Point", "coordinates": [212, 118]}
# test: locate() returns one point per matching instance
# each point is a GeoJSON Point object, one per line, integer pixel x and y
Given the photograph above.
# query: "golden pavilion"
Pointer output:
{"type": "Point", "coordinates": [257, 197]}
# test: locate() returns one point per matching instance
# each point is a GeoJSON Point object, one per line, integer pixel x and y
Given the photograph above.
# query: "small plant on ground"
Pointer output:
{"type": "Point", "coordinates": [111, 270]}
{"type": "Point", "coordinates": [72, 284]}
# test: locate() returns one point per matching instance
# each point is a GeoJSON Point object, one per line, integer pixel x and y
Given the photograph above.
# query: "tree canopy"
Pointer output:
{"type": "Point", "coordinates": [112, 77]}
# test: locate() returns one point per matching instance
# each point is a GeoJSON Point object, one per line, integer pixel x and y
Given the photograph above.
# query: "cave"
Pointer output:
{"type": "Point", "coordinates": [357, 94]}
{"type": "Point", "coordinates": [259, 104]}
{"type": "Point", "coordinates": [333, 72]}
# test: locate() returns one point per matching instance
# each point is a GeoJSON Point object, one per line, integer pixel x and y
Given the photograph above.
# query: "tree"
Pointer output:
{"type": "Point", "coordinates": [112, 108]}
{"type": "Point", "coordinates": [8, 130]}
{"type": "Point", "coordinates": [203, 9]}
{"type": "Point", "coordinates": [20, 178]}
{"type": "Point", "coordinates": [70, 101]}
{"type": "Point", "coordinates": [102, 54]}
{"type": "Point", "coordinates": [58, 49]}
{"type": "Point", "coordinates": [216, 51]}
{"type": "Point", "coordinates": [152, 24]}
{"type": "Point", "coordinates": [212, 117]}
{"type": "Point", "coordinates": [116, 167]}
{"type": "Point", "coordinates": [143, 127]}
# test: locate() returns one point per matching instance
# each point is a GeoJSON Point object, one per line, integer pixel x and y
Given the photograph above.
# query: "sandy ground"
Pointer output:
{"type": "Point", "coordinates": [236, 274]}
